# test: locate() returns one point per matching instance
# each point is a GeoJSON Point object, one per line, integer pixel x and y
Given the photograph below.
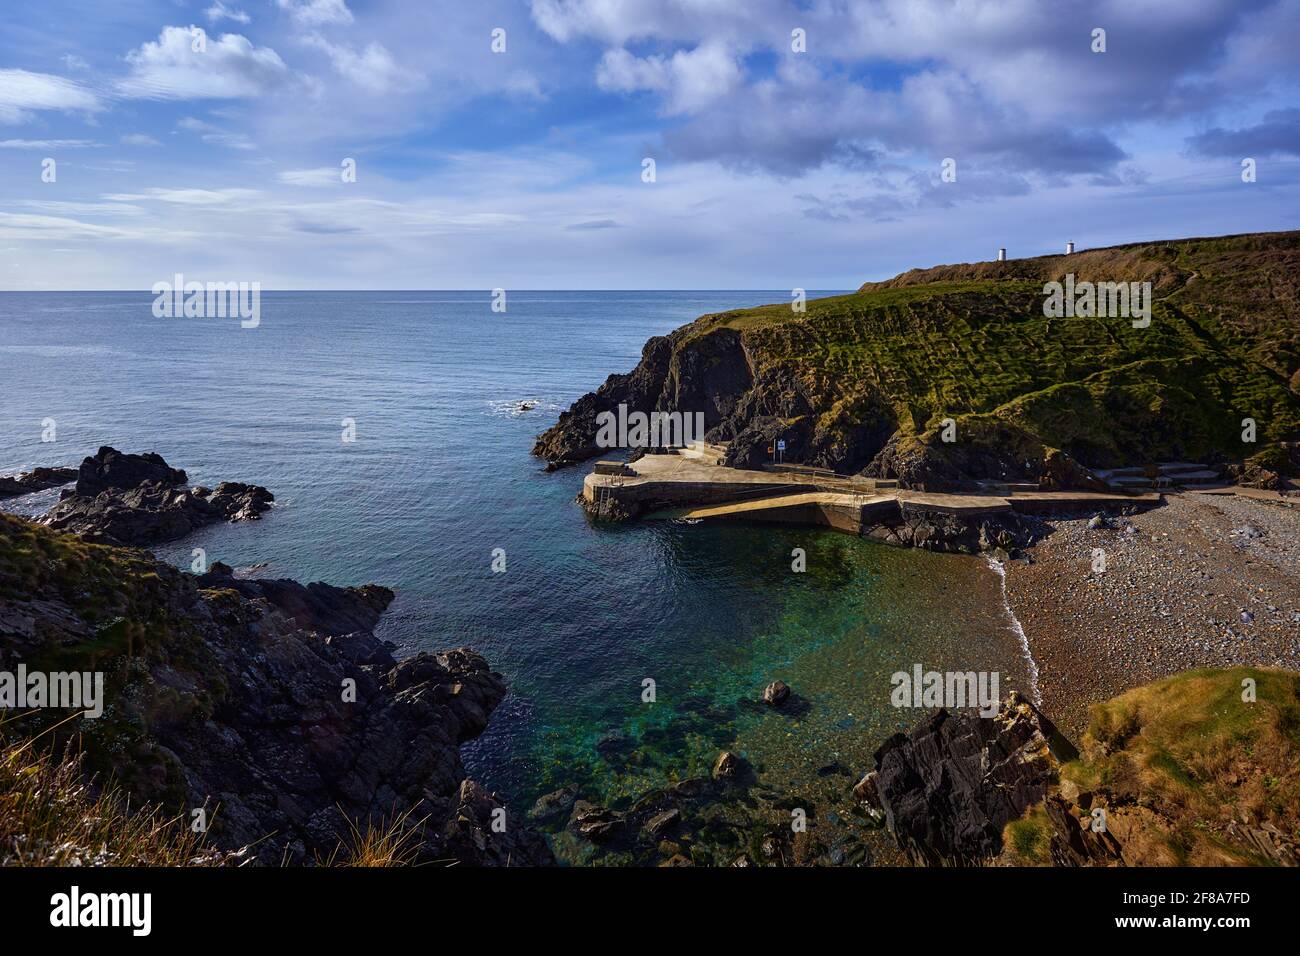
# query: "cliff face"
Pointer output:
{"type": "Point", "coordinates": [865, 382]}
{"type": "Point", "coordinates": [709, 375]}
{"type": "Point", "coordinates": [1198, 769]}
{"type": "Point", "coordinates": [269, 704]}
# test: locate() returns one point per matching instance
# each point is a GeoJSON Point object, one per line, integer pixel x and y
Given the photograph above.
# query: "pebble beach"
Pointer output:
{"type": "Point", "coordinates": [1202, 581]}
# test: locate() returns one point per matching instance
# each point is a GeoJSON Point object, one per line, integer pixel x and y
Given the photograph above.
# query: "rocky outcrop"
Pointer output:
{"type": "Point", "coordinates": [949, 787]}
{"type": "Point", "coordinates": [138, 500]}
{"type": "Point", "coordinates": [110, 469]}
{"type": "Point", "coordinates": [707, 374]}
{"type": "Point", "coordinates": [1161, 779]}
{"type": "Point", "coordinates": [268, 704]}
{"type": "Point", "coordinates": [941, 382]}
{"type": "Point", "coordinates": [38, 479]}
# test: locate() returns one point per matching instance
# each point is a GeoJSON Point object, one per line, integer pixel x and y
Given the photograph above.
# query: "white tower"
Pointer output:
{"type": "Point", "coordinates": [1002, 255]}
{"type": "Point", "coordinates": [1069, 248]}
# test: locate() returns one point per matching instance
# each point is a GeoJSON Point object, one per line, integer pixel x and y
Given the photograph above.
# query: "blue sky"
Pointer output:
{"type": "Point", "coordinates": [218, 155]}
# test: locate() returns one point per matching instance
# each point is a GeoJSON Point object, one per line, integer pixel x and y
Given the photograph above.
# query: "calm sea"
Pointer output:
{"type": "Point", "coordinates": [440, 475]}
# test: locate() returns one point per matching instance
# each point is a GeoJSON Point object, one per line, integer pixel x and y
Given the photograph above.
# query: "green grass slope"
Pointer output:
{"type": "Point", "coordinates": [970, 342]}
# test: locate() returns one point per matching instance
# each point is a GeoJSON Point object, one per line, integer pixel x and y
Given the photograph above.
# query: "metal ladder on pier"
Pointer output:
{"type": "Point", "coordinates": [605, 497]}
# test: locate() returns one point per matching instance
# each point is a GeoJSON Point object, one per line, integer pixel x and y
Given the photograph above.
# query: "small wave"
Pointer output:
{"type": "Point", "coordinates": [511, 408]}
{"type": "Point", "coordinates": [1019, 631]}
{"type": "Point", "coordinates": [59, 351]}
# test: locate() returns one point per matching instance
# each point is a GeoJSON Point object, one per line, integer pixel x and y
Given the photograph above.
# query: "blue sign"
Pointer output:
{"type": "Point", "coordinates": [780, 445]}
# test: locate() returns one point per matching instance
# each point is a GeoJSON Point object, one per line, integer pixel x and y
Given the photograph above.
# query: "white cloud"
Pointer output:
{"type": "Point", "coordinates": [315, 13]}
{"type": "Point", "coordinates": [320, 176]}
{"type": "Point", "coordinates": [229, 67]}
{"type": "Point", "coordinates": [47, 143]}
{"type": "Point", "coordinates": [26, 226]}
{"type": "Point", "coordinates": [691, 79]}
{"type": "Point", "coordinates": [186, 197]}
{"type": "Point", "coordinates": [219, 11]}
{"type": "Point", "coordinates": [83, 208]}
{"type": "Point", "coordinates": [22, 92]}
{"type": "Point", "coordinates": [373, 69]}
{"type": "Point", "coordinates": [139, 139]}
{"type": "Point", "coordinates": [215, 135]}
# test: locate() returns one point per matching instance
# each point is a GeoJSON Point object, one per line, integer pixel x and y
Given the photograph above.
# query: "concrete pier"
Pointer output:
{"type": "Point", "coordinates": [689, 486]}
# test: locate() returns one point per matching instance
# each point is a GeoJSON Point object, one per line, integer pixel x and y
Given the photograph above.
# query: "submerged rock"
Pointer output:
{"type": "Point", "coordinates": [595, 823]}
{"type": "Point", "coordinates": [661, 823]}
{"type": "Point", "coordinates": [555, 804]}
{"type": "Point", "coordinates": [727, 766]}
{"type": "Point", "coordinates": [776, 693]}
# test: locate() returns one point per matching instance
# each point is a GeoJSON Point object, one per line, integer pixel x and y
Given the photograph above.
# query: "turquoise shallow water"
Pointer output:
{"type": "Point", "coordinates": [440, 475]}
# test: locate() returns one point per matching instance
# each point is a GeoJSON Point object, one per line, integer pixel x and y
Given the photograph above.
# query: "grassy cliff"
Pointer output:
{"type": "Point", "coordinates": [1198, 769]}
{"type": "Point", "coordinates": [864, 381]}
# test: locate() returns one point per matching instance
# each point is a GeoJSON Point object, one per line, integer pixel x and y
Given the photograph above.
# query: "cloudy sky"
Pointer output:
{"type": "Point", "coordinates": [209, 138]}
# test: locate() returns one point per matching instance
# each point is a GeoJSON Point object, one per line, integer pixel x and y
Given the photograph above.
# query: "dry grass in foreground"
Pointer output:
{"type": "Point", "coordinates": [53, 814]}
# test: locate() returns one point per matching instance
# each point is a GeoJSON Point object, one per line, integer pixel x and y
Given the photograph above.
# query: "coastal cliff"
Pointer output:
{"type": "Point", "coordinates": [1196, 769]}
{"type": "Point", "coordinates": [864, 383]}
{"type": "Point", "coordinates": [267, 704]}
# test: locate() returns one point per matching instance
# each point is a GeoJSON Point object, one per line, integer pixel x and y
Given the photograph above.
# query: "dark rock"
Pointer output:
{"type": "Point", "coordinates": [1074, 841]}
{"type": "Point", "coordinates": [914, 527]}
{"type": "Point", "coordinates": [137, 500]}
{"type": "Point", "coordinates": [274, 702]}
{"type": "Point", "coordinates": [776, 693]}
{"type": "Point", "coordinates": [865, 790]}
{"type": "Point", "coordinates": [661, 823]}
{"type": "Point", "coordinates": [557, 803]}
{"type": "Point", "coordinates": [109, 468]}
{"type": "Point", "coordinates": [613, 743]}
{"type": "Point", "coordinates": [596, 823]}
{"type": "Point", "coordinates": [38, 479]}
{"type": "Point", "coordinates": [479, 831]}
{"type": "Point", "coordinates": [949, 787]}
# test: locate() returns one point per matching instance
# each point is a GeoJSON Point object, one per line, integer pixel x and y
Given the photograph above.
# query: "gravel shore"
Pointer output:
{"type": "Point", "coordinates": [1202, 581]}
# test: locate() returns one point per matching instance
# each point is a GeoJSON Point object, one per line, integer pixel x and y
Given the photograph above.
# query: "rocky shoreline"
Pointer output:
{"type": "Point", "coordinates": [268, 707]}
{"type": "Point", "coordinates": [272, 708]}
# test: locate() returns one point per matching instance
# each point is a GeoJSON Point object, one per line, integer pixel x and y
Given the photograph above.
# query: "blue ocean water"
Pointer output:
{"type": "Point", "coordinates": [440, 475]}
